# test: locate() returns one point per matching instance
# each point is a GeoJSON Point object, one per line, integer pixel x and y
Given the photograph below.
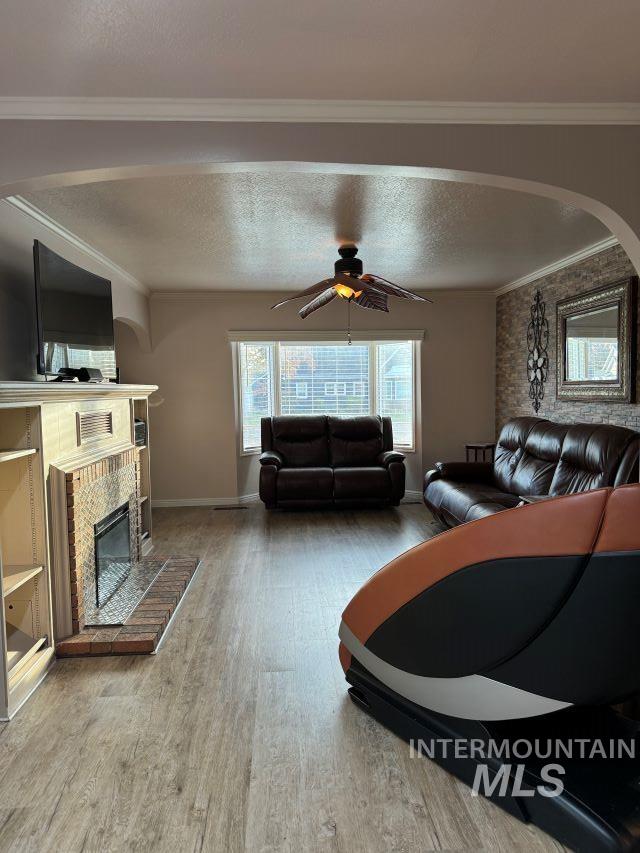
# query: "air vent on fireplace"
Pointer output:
{"type": "Point", "coordinates": [94, 425]}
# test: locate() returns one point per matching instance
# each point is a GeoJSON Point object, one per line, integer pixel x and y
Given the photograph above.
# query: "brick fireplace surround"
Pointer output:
{"type": "Point", "coordinates": [92, 492]}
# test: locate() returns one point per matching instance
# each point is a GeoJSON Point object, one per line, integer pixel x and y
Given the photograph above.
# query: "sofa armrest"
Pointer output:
{"type": "Point", "coordinates": [430, 476]}
{"type": "Point", "coordinates": [470, 472]}
{"type": "Point", "coordinates": [271, 457]}
{"type": "Point", "coordinates": [388, 456]}
{"type": "Point", "coordinates": [268, 489]}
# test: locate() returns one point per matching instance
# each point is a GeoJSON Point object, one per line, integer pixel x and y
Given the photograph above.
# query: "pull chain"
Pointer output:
{"type": "Point", "coordinates": [349, 322]}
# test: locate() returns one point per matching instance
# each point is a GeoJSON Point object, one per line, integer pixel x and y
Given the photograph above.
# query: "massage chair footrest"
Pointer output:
{"type": "Point", "coordinates": [599, 808]}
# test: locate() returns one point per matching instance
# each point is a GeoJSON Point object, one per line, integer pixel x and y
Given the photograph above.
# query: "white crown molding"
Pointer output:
{"type": "Point", "coordinates": [558, 265]}
{"type": "Point", "coordinates": [299, 110]}
{"type": "Point", "coordinates": [32, 212]}
{"type": "Point", "coordinates": [207, 295]}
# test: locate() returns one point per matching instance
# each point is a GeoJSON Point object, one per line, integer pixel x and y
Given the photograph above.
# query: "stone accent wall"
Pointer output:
{"type": "Point", "coordinates": [94, 491]}
{"type": "Point", "coordinates": [512, 319]}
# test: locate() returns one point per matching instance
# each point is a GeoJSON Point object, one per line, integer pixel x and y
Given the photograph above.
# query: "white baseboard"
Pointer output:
{"type": "Point", "coordinates": [241, 500]}
{"type": "Point", "coordinates": [411, 495]}
{"type": "Point", "coordinates": [234, 501]}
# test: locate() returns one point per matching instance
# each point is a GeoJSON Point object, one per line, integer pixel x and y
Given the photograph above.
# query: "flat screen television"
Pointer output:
{"type": "Point", "coordinates": [75, 316]}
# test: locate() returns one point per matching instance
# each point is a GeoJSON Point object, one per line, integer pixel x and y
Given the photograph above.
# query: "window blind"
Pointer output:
{"type": "Point", "coordinates": [328, 380]}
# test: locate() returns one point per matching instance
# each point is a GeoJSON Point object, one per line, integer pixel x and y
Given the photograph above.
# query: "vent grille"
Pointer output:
{"type": "Point", "coordinates": [94, 425]}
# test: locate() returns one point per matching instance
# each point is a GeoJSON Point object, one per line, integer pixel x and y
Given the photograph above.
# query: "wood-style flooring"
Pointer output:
{"type": "Point", "coordinates": [239, 735]}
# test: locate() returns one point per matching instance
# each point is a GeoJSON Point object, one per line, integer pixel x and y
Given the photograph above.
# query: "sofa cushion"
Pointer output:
{"type": "Point", "coordinates": [510, 449]}
{"type": "Point", "coordinates": [456, 500]}
{"type": "Point", "coordinates": [355, 442]}
{"type": "Point", "coordinates": [301, 440]}
{"type": "Point", "coordinates": [629, 469]}
{"type": "Point", "coordinates": [482, 510]}
{"type": "Point", "coordinates": [304, 484]}
{"type": "Point", "coordinates": [535, 469]}
{"type": "Point", "coordinates": [591, 455]}
{"type": "Point", "coordinates": [357, 483]}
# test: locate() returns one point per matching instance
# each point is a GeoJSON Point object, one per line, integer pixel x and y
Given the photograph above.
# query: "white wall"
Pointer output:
{"type": "Point", "coordinates": [193, 416]}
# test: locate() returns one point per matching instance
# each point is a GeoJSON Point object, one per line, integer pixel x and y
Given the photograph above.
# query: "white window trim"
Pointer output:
{"type": "Point", "coordinates": [240, 396]}
{"type": "Point", "coordinates": [325, 337]}
{"type": "Point", "coordinates": [373, 338]}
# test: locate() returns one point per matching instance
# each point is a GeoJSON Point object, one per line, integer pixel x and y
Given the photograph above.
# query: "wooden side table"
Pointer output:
{"type": "Point", "coordinates": [480, 449]}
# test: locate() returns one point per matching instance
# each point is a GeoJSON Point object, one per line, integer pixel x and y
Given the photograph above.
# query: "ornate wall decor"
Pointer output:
{"type": "Point", "coordinates": [596, 344]}
{"type": "Point", "coordinates": [537, 342]}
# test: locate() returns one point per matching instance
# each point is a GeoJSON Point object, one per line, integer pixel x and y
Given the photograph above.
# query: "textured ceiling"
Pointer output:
{"type": "Point", "coordinates": [467, 50]}
{"type": "Point", "coordinates": [277, 231]}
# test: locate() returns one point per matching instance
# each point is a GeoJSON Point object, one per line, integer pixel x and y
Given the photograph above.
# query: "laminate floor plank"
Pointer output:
{"type": "Point", "coordinates": [238, 736]}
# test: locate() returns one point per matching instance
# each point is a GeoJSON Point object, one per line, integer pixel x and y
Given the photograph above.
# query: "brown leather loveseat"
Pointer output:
{"type": "Point", "coordinates": [533, 457]}
{"type": "Point", "coordinates": [322, 460]}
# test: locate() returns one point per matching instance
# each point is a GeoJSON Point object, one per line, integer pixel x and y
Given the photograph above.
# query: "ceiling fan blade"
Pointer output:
{"type": "Point", "coordinates": [319, 302]}
{"type": "Point", "coordinates": [373, 299]}
{"type": "Point", "coordinates": [310, 291]}
{"type": "Point", "coordinates": [394, 289]}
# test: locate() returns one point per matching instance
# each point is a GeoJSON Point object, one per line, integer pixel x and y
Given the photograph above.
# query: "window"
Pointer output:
{"type": "Point", "coordinates": [337, 389]}
{"type": "Point", "coordinates": [65, 355]}
{"type": "Point", "coordinates": [394, 370]}
{"type": "Point", "coordinates": [592, 359]}
{"type": "Point", "coordinates": [330, 371]}
{"type": "Point", "coordinates": [284, 378]}
{"type": "Point", "coordinates": [256, 389]}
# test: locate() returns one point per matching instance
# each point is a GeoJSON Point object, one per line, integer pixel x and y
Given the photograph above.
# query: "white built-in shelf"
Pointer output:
{"type": "Point", "coordinates": [8, 455]}
{"type": "Point", "coordinates": [141, 446]}
{"type": "Point", "coordinates": [20, 648]}
{"type": "Point", "coordinates": [14, 576]}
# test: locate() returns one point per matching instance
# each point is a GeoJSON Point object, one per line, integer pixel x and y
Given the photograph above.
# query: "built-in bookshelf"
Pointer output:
{"type": "Point", "coordinates": [25, 633]}
{"type": "Point", "coordinates": [49, 430]}
{"type": "Point", "coordinates": [140, 411]}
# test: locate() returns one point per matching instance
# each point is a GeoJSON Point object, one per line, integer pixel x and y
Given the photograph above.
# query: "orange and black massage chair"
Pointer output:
{"type": "Point", "coordinates": [521, 625]}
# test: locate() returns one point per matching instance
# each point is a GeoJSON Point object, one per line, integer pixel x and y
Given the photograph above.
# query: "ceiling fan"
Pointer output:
{"type": "Point", "coordinates": [350, 282]}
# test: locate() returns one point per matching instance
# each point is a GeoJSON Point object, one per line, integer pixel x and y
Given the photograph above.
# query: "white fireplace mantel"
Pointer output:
{"type": "Point", "coordinates": [33, 393]}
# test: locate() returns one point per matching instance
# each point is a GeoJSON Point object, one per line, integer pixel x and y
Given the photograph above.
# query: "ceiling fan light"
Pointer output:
{"type": "Point", "coordinates": [344, 291]}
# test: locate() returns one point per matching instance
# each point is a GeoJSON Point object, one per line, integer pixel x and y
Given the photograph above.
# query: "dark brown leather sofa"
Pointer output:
{"type": "Point", "coordinates": [533, 457]}
{"type": "Point", "coordinates": [321, 460]}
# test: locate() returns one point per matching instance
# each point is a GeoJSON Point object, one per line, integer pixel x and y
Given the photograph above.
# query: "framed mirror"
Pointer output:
{"type": "Point", "coordinates": [596, 344]}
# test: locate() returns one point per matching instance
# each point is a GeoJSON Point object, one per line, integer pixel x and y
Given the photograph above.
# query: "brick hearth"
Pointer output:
{"type": "Point", "coordinates": [142, 631]}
